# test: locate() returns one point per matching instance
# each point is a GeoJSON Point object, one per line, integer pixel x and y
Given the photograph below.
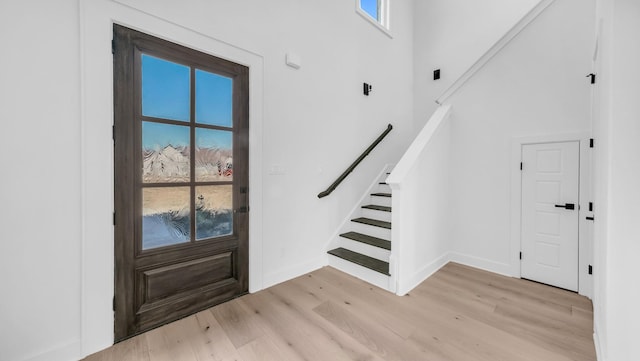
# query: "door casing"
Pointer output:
{"type": "Point", "coordinates": [96, 78]}
{"type": "Point", "coordinates": [585, 281]}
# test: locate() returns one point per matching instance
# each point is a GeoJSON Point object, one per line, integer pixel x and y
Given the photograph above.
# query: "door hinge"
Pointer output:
{"type": "Point", "coordinates": [520, 165]}
{"type": "Point", "coordinates": [520, 255]}
{"type": "Point", "coordinates": [113, 46]}
{"type": "Point", "coordinates": [590, 269]}
{"type": "Point", "coordinates": [593, 78]}
{"type": "Point", "coordinates": [245, 208]}
{"type": "Point", "coordinates": [591, 143]}
{"type": "Point", "coordinates": [114, 303]}
{"type": "Point", "coordinates": [114, 218]}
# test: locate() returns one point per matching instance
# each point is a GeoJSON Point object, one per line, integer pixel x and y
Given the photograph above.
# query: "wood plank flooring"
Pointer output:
{"type": "Point", "coordinates": [458, 314]}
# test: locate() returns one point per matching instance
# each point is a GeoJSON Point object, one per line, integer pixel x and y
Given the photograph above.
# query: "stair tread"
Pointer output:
{"type": "Point", "coordinates": [377, 208]}
{"type": "Point", "coordinates": [362, 260]}
{"type": "Point", "coordinates": [381, 194]}
{"type": "Point", "coordinates": [373, 222]}
{"type": "Point", "coordinates": [363, 238]}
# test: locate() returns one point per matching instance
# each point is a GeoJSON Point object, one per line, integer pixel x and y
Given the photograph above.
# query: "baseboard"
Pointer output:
{"type": "Point", "coordinates": [417, 278]}
{"type": "Point", "coordinates": [596, 342]}
{"type": "Point", "coordinates": [69, 352]}
{"type": "Point", "coordinates": [482, 263]}
{"type": "Point", "coordinates": [275, 278]}
{"type": "Point", "coordinates": [433, 267]}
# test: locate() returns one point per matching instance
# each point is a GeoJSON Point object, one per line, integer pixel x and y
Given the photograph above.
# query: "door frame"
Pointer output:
{"type": "Point", "coordinates": [96, 153]}
{"type": "Point", "coordinates": [135, 265]}
{"type": "Point", "coordinates": [585, 241]}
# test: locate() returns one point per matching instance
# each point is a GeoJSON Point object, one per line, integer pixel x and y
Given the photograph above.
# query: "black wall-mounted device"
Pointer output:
{"type": "Point", "coordinates": [367, 88]}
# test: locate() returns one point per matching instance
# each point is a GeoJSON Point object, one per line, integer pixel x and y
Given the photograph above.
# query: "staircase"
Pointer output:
{"type": "Point", "coordinates": [363, 249]}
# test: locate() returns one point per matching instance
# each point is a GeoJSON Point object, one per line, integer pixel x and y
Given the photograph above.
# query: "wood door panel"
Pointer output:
{"type": "Point", "coordinates": [186, 276]}
{"type": "Point", "coordinates": [187, 251]}
{"type": "Point", "coordinates": [174, 308]}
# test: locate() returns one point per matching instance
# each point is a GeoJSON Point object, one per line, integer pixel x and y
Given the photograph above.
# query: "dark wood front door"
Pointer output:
{"type": "Point", "coordinates": [181, 135]}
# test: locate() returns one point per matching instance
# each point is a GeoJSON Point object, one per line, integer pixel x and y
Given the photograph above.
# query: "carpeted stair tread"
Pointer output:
{"type": "Point", "coordinates": [373, 222]}
{"type": "Point", "coordinates": [372, 241]}
{"type": "Point", "coordinates": [362, 260]}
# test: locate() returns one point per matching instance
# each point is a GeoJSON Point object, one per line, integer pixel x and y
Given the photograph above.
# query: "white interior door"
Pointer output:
{"type": "Point", "coordinates": [550, 182]}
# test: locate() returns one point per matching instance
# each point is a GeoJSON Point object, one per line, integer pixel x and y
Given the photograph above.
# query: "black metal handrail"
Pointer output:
{"type": "Point", "coordinates": [353, 165]}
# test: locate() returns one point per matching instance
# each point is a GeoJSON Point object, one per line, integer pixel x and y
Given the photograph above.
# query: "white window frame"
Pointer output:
{"type": "Point", "coordinates": [383, 24]}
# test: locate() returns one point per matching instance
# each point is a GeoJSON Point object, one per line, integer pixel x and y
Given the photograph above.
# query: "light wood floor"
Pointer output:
{"type": "Point", "coordinates": [458, 314]}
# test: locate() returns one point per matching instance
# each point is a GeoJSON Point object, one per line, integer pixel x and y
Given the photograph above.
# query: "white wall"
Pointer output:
{"type": "Point", "coordinates": [451, 35]}
{"type": "Point", "coordinates": [617, 128]}
{"type": "Point", "coordinates": [56, 92]}
{"type": "Point", "coordinates": [535, 86]}
{"type": "Point", "coordinates": [40, 167]}
{"type": "Point", "coordinates": [601, 169]}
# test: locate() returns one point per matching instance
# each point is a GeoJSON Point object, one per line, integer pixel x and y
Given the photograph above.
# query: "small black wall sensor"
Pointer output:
{"type": "Point", "coordinates": [436, 74]}
{"type": "Point", "coordinates": [366, 88]}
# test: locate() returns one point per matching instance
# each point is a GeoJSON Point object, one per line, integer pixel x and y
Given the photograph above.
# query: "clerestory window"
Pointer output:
{"type": "Point", "coordinates": [376, 12]}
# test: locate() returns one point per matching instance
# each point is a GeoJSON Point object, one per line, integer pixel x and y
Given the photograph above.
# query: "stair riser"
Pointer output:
{"type": "Point", "coordinates": [370, 230]}
{"type": "Point", "coordinates": [363, 273]}
{"type": "Point", "coordinates": [381, 201]}
{"type": "Point", "coordinates": [383, 188]}
{"type": "Point", "coordinates": [379, 215]}
{"type": "Point", "coordinates": [365, 249]}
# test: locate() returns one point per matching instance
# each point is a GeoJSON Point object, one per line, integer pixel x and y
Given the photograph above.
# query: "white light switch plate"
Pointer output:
{"type": "Point", "coordinates": [294, 60]}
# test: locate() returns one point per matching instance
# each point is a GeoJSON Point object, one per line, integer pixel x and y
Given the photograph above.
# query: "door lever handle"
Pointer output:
{"type": "Point", "coordinates": [566, 206]}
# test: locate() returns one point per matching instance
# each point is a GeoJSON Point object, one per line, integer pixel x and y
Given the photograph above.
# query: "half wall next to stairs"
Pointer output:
{"type": "Point", "coordinates": [420, 184]}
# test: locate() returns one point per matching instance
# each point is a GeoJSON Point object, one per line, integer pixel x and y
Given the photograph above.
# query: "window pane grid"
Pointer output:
{"type": "Point", "coordinates": [166, 88]}
{"type": "Point", "coordinates": [208, 153]}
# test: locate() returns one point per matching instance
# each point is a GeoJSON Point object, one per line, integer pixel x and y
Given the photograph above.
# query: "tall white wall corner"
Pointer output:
{"type": "Point", "coordinates": [495, 49]}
